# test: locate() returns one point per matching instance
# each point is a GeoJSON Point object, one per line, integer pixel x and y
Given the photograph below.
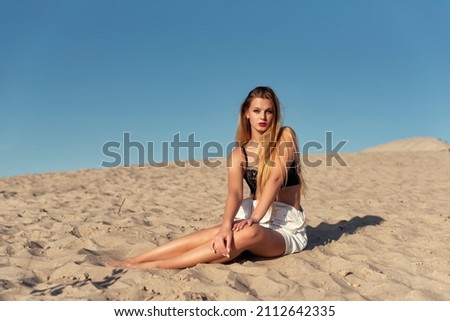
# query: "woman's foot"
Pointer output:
{"type": "Point", "coordinates": [119, 263]}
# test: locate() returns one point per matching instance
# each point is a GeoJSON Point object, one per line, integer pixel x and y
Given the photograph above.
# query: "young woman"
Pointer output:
{"type": "Point", "coordinates": [271, 222]}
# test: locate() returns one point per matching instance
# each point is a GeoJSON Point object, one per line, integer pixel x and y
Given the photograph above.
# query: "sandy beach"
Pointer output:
{"type": "Point", "coordinates": [379, 229]}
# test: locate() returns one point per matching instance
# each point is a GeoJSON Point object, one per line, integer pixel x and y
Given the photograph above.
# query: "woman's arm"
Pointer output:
{"type": "Point", "coordinates": [235, 187]}
{"type": "Point", "coordinates": [277, 176]}
{"type": "Point", "coordinates": [222, 242]}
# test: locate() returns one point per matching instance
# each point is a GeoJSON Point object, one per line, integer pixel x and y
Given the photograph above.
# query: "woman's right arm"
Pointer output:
{"type": "Point", "coordinates": [222, 242]}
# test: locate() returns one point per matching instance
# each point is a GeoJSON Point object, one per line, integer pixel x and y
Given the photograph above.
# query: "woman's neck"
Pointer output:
{"type": "Point", "coordinates": [256, 136]}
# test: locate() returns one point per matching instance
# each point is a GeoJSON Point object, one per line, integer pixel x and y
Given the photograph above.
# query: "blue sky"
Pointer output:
{"type": "Point", "coordinates": [77, 74]}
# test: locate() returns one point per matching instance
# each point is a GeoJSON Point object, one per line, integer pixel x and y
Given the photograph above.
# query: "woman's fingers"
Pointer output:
{"type": "Point", "coordinates": [240, 225]}
{"type": "Point", "coordinates": [228, 240]}
{"type": "Point", "coordinates": [237, 226]}
{"type": "Point", "coordinates": [221, 244]}
{"type": "Point", "coordinates": [219, 247]}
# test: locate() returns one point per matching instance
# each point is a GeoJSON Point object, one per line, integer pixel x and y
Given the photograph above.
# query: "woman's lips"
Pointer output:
{"type": "Point", "coordinates": [262, 124]}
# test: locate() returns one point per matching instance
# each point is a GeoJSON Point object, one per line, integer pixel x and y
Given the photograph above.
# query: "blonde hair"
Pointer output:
{"type": "Point", "coordinates": [272, 141]}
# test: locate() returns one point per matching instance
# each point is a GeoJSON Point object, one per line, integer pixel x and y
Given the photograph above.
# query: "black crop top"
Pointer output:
{"type": "Point", "coordinates": [250, 175]}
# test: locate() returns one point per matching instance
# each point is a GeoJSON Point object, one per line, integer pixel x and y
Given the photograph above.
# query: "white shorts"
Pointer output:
{"type": "Point", "coordinates": [282, 218]}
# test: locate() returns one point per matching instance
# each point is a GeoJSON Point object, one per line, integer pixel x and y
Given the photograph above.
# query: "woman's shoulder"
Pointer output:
{"type": "Point", "coordinates": [236, 156]}
{"type": "Point", "coordinates": [287, 133]}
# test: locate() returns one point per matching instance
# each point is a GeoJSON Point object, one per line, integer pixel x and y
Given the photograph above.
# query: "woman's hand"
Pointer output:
{"type": "Point", "coordinates": [239, 225]}
{"type": "Point", "coordinates": [221, 243]}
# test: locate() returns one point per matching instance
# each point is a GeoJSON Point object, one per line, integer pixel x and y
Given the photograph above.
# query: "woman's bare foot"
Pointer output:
{"type": "Point", "coordinates": [119, 263]}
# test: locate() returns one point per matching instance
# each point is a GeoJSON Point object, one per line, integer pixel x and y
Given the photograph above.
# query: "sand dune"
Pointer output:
{"type": "Point", "coordinates": [415, 144]}
{"type": "Point", "coordinates": [378, 230]}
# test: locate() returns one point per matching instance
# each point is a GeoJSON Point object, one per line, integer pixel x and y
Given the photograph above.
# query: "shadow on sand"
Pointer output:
{"type": "Point", "coordinates": [101, 285]}
{"type": "Point", "coordinates": [325, 233]}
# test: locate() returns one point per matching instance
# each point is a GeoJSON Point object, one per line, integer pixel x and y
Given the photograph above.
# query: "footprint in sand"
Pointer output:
{"type": "Point", "coordinates": [346, 278]}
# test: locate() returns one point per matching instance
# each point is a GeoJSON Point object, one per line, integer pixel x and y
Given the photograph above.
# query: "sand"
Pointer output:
{"type": "Point", "coordinates": [379, 229]}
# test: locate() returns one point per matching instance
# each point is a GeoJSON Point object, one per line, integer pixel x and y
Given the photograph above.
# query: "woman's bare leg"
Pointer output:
{"type": "Point", "coordinates": [257, 239]}
{"type": "Point", "coordinates": [171, 249]}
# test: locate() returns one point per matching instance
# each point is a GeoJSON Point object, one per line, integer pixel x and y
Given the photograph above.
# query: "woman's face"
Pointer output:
{"type": "Point", "coordinates": [260, 114]}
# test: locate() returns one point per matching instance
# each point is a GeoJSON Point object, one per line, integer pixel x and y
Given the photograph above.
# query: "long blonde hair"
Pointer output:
{"type": "Point", "coordinates": [271, 144]}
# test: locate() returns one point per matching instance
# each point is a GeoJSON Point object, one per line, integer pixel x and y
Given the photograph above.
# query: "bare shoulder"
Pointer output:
{"type": "Point", "coordinates": [288, 145]}
{"type": "Point", "coordinates": [288, 138]}
{"type": "Point", "coordinates": [235, 158]}
{"type": "Point", "coordinates": [287, 134]}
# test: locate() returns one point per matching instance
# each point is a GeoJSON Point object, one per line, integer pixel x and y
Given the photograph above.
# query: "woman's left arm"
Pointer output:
{"type": "Point", "coordinates": [273, 183]}
{"type": "Point", "coordinates": [269, 193]}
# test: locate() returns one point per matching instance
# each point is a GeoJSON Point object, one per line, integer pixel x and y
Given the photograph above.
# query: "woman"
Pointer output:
{"type": "Point", "coordinates": [271, 222]}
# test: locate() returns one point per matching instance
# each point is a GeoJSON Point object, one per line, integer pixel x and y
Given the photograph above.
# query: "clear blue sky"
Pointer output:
{"type": "Point", "coordinates": [77, 74]}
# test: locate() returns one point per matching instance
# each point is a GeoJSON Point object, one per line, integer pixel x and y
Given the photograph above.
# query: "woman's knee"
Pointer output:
{"type": "Point", "coordinates": [250, 233]}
